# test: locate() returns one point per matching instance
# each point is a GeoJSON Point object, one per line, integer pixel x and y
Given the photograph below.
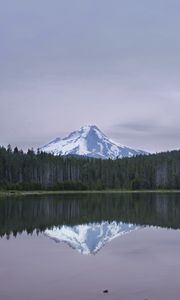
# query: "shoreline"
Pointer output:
{"type": "Point", "coordinates": [44, 192]}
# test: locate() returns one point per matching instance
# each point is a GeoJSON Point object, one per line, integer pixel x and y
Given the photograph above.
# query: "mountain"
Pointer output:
{"type": "Point", "coordinates": [89, 238]}
{"type": "Point", "coordinates": [89, 141]}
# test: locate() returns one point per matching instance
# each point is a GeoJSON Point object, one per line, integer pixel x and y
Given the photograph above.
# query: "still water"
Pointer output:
{"type": "Point", "coordinates": [76, 246]}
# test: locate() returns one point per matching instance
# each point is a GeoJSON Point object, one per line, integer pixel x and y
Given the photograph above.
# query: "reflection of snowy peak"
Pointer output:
{"type": "Point", "coordinates": [89, 238]}
{"type": "Point", "coordinates": [89, 141]}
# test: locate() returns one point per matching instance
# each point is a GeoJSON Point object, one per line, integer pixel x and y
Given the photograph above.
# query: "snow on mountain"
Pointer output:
{"type": "Point", "coordinates": [89, 141]}
{"type": "Point", "coordinates": [89, 238]}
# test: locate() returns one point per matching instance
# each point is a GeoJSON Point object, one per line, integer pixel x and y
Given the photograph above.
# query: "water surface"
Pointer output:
{"type": "Point", "coordinates": [75, 246]}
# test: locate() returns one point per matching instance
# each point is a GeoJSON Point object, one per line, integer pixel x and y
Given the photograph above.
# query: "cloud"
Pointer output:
{"type": "Point", "coordinates": [137, 127]}
{"type": "Point", "coordinates": [151, 135]}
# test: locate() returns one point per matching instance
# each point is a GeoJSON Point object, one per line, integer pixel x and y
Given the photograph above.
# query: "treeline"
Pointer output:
{"type": "Point", "coordinates": [30, 171]}
{"type": "Point", "coordinates": [43, 212]}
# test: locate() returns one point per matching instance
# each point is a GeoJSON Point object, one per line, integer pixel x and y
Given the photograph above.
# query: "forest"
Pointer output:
{"type": "Point", "coordinates": [42, 171]}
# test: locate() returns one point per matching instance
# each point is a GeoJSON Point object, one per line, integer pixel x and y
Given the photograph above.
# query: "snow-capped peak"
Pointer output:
{"type": "Point", "coordinates": [89, 238]}
{"type": "Point", "coordinates": [91, 142]}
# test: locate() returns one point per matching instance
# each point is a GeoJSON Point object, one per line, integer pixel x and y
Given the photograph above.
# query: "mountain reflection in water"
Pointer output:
{"type": "Point", "coordinates": [92, 214]}
{"type": "Point", "coordinates": [89, 238]}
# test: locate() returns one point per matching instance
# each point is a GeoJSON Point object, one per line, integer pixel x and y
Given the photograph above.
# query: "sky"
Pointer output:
{"type": "Point", "coordinates": [67, 63]}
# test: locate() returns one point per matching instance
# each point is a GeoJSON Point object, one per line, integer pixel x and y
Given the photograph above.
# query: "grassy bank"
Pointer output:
{"type": "Point", "coordinates": [36, 193]}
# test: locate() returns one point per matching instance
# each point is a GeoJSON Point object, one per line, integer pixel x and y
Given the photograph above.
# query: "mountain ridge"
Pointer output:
{"type": "Point", "coordinates": [89, 141]}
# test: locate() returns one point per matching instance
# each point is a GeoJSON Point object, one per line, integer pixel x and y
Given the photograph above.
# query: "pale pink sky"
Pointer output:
{"type": "Point", "coordinates": [116, 64]}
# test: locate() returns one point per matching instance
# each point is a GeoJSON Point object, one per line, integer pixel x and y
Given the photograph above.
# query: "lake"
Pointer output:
{"type": "Point", "coordinates": [76, 246]}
